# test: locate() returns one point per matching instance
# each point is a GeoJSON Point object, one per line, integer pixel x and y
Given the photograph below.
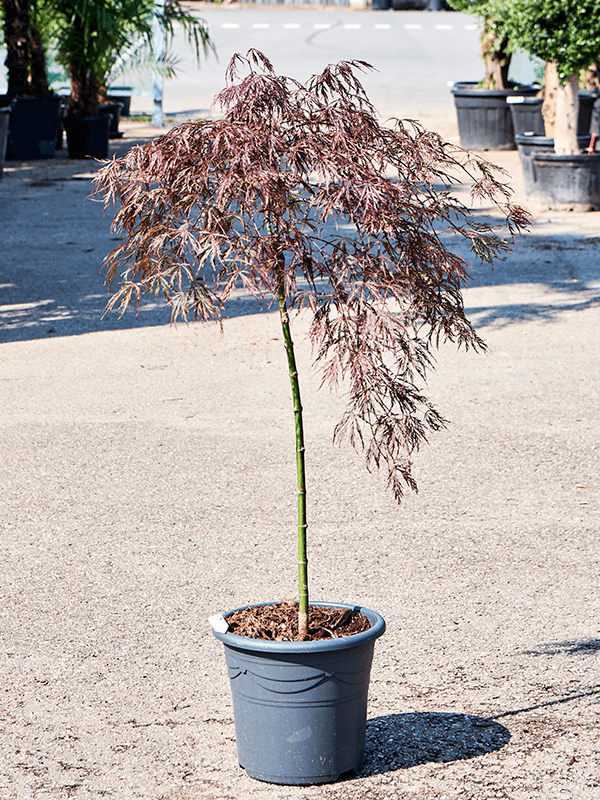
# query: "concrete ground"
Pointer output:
{"type": "Point", "coordinates": [148, 483]}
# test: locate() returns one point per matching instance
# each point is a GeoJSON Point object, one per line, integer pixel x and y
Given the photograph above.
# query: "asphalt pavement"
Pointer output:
{"type": "Point", "coordinates": [148, 483]}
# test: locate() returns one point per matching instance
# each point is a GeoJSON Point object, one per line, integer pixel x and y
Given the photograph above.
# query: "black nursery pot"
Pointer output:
{"type": "Point", "coordinates": [121, 94]}
{"type": "Point", "coordinates": [4, 118]}
{"type": "Point", "coordinates": [529, 144]}
{"type": "Point", "coordinates": [33, 128]}
{"type": "Point", "coordinates": [526, 113]}
{"type": "Point", "coordinates": [527, 116]}
{"type": "Point", "coordinates": [568, 183]}
{"type": "Point", "coordinates": [300, 708]}
{"type": "Point", "coordinates": [484, 117]}
{"type": "Point", "coordinates": [115, 110]}
{"type": "Point", "coordinates": [87, 136]}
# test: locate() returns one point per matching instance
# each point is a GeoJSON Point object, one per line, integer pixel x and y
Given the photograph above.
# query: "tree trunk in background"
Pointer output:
{"type": "Point", "coordinates": [84, 91]}
{"type": "Point", "coordinates": [495, 57]}
{"type": "Point", "coordinates": [84, 84]}
{"type": "Point", "coordinates": [551, 85]}
{"type": "Point", "coordinates": [590, 78]}
{"type": "Point", "coordinates": [16, 37]}
{"type": "Point", "coordinates": [567, 112]}
{"type": "Point", "coordinates": [39, 70]}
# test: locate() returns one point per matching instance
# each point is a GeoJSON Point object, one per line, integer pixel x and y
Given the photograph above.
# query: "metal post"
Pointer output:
{"type": "Point", "coordinates": [159, 50]}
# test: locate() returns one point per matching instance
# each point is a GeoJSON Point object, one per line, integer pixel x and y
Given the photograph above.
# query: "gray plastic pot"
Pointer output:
{"type": "Point", "coordinates": [300, 708]}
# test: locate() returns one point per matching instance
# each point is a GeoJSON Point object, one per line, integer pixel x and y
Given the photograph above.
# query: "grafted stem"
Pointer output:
{"type": "Point", "coordinates": [300, 468]}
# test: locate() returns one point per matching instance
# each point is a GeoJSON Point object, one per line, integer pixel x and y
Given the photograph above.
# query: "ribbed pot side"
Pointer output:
{"type": "Point", "coordinates": [568, 183]}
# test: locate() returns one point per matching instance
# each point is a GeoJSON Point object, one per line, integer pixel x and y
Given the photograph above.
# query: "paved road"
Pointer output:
{"type": "Point", "coordinates": [148, 482]}
{"type": "Point", "coordinates": [416, 53]}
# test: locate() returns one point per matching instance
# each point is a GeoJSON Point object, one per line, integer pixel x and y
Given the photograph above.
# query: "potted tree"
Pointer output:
{"type": "Point", "coordinates": [90, 38]}
{"type": "Point", "coordinates": [484, 118]}
{"type": "Point", "coordinates": [34, 108]}
{"type": "Point", "coordinates": [265, 198]}
{"type": "Point", "coordinates": [565, 34]}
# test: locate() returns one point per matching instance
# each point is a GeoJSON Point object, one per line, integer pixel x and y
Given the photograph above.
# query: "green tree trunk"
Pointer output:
{"type": "Point", "coordinates": [300, 469]}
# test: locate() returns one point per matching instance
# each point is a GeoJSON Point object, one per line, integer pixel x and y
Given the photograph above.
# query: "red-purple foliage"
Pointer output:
{"type": "Point", "coordinates": [299, 189]}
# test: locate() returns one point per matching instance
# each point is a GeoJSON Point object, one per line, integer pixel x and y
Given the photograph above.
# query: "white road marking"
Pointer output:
{"type": "Point", "coordinates": [350, 26]}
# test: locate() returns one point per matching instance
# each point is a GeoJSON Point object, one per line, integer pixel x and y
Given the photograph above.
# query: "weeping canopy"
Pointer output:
{"type": "Point", "coordinates": [300, 190]}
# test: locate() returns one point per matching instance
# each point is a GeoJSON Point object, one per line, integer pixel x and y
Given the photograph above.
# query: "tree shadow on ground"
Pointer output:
{"type": "Point", "coordinates": [401, 741]}
{"type": "Point", "coordinates": [499, 316]}
{"type": "Point", "coordinates": [570, 647]}
{"type": "Point", "coordinates": [54, 242]}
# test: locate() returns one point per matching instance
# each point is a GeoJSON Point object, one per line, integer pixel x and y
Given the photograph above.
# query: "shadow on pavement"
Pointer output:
{"type": "Point", "coordinates": [572, 647]}
{"type": "Point", "coordinates": [401, 741]}
{"type": "Point", "coordinates": [55, 239]}
{"type": "Point", "coordinates": [500, 316]}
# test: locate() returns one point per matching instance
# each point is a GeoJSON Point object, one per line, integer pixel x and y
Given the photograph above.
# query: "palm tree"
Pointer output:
{"type": "Point", "coordinates": [25, 50]}
{"type": "Point", "coordinates": [91, 36]}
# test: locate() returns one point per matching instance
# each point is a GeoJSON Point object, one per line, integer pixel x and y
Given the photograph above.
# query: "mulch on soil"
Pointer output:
{"type": "Point", "coordinates": [279, 622]}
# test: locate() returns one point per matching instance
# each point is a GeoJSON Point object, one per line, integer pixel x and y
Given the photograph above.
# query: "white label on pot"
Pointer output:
{"type": "Point", "coordinates": [218, 623]}
{"type": "Point", "coordinates": [518, 99]}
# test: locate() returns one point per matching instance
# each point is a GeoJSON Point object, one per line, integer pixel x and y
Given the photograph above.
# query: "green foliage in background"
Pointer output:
{"type": "Point", "coordinates": [565, 31]}
{"type": "Point", "coordinates": [114, 34]}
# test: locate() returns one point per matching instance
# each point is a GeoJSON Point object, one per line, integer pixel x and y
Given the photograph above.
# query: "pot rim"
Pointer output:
{"type": "Point", "coordinates": [578, 158]}
{"type": "Point", "coordinates": [376, 630]}
{"type": "Point", "coordinates": [529, 137]}
{"type": "Point", "coordinates": [467, 88]}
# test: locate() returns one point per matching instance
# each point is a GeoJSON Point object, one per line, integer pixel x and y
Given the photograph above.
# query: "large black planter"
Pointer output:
{"type": "Point", "coordinates": [114, 109]}
{"type": "Point", "coordinates": [527, 113]}
{"type": "Point", "coordinates": [300, 708]}
{"type": "Point", "coordinates": [408, 5]}
{"type": "Point", "coordinates": [568, 183]}
{"type": "Point", "coordinates": [530, 144]}
{"type": "Point", "coordinates": [4, 118]}
{"type": "Point", "coordinates": [121, 94]}
{"type": "Point", "coordinates": [87, 136]}
{"type": "Point", "coordinates": [484, 118]}
{"type": "Point", "coordinates": [33, 127]}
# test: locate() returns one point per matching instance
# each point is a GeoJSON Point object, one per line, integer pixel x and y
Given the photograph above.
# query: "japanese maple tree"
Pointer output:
{"type": "Point", "coordinates": [301, 196]}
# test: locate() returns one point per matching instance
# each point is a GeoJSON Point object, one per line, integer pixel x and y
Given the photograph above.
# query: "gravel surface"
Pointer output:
{"type": "Point", "coordinates": [149, 483]}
